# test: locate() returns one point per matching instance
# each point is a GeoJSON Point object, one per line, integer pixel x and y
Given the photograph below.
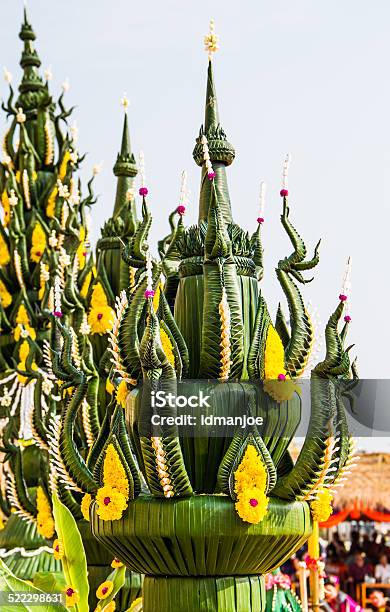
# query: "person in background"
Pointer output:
{"type": "Point", "coordinates": [336, 600]}
{"type": "Point", "coordinates": [336, 549]}
{"type": "Point", "coordinates": [378, 602]}
{"type": "Point", "coordinates": [355, 543]}
{"type": "Point", "coordinates": [382, 570]}
{"type": "Point", "coordinates": [357, 572]}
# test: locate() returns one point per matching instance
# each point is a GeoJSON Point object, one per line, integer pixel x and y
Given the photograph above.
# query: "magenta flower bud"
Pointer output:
{"type": "Point", "coordinates": [281, 377]}
{"type": "Point", "coordinates": [342, 297]}
{"type": "Point", "coordinates": [260, 220]}
{"type": "Point", "coordinates": [347, 319]}
{"type": "Point", "coordinates": [58, 314]}
{"type": "Point", "coordinates": [211, 176]}
{"type": "Point", "coordinates": [149, 293]}
{"type": "Point", "coordinates": [181, 209]}
{"type": "Point", "coordinates": [284, 193]}
{"type": "Point", "coordinates": [143, 191]}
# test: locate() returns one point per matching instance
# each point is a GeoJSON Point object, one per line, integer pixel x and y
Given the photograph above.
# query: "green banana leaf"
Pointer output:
{"type": "Point", "coordinates": [74, 562]}
{"type": "Point", "coordinates": [11, 584]}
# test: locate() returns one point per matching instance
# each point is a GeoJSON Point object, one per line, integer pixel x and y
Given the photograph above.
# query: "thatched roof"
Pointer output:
{"type": "Point", "coordinates": [368, 485]}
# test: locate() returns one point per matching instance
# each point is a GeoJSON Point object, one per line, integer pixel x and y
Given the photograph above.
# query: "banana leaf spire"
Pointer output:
{"type": "Point", "coordinates": [221, 152]}
{"type": "Point", "coordinates": [125, 167]}
{"type": "Point", "coordinates": [33, 91]}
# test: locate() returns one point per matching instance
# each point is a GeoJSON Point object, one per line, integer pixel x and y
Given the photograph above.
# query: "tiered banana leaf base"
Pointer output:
{"type": "Point", "coordinates": [198, 554]}
{"type": "Point", "coordinates": [99, 567]}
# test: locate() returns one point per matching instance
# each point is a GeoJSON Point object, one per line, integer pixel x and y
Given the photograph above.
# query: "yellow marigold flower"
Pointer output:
{"type": "Point", "coordinates": [38, 243]}
{"type": "Point", "coordinates": [85, 504]}
{"type": "Point", "coordinates": [114, 474]}
{"type": "Point", "coordinates": [122, 393]}
{"type": "Point", "coordinates": [167, 346]}
{"type": "Point", "coordinates": [321, 506]}
{"type": "Point", "coordinates": [4, 252]}
{"type": "Point", "coordinates": [51, 203]}
{"type": "Point", "coordinates": [251, 472]}
{"type": "Point", "coordinates": [110, 607]}
{"type": "Point", "coordinates": [273, 355]}
{"type": "Point", "coordinates": [6, 208]}
{"type": "Point", "coordinates": [64, 166]}
{"type": "Point", "coordinates": [58, 549]}
{"type": "Point", "coordinates": [101, 319]}
{"type": "Point", "coordinates": [72, 596]}
{"type": "Point", "coordinates": [111, 503]}
{"type": "Point", "coordinates": [81, 251]}
{"type": "Point", "coordinates": [5, 296]}
{"type": "Point", "coordinates": [105, 589]}
{"type": "Point", "coordinates": [115, 563]}
{"type": "Point", "coordinates": [45, 522]}
{"type": "Point", "coordinates": [252, 506]}
{"type": "Point", "coordinates": [109, 386]}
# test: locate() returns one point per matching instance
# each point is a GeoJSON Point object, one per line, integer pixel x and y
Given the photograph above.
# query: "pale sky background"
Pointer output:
{"type": "Point", "coordinates": [310, 78]}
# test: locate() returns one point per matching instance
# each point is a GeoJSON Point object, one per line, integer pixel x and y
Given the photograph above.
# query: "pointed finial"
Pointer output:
{"type": "Point", "coordinates": [263, 189]}
{"type": "Point", "coordinates": [211, 41]}
{"type": "Point", "coordinates": [125, 102]}
{"type": "Point", "coordinates": [286, 166]}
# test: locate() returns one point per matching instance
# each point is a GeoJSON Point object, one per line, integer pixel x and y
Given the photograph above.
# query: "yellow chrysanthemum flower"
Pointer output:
{"type": "Point", "coordinates": [85, 504]}
{"type": "Point", "coordinates": [104, 590]}
{"type": "Point", "coordinates": [321, 506]}
{"type": "Point", "coordinates": [109, 387]}
{"type": "Point", "coordinates": [114, 474]}
{"type": "Point", "coordinates": [111, 503]}
{"type": "Point", "coordinates": [58, 549]}
{"type": "Point", "coordinates": [115, 563]}
{"type": "Point", "coordinates": [251, 472]}
{"type": "Point", "coordinates": [136, 606]}
{"type": "Point", "coordinates": [101, 319]}
{"type": "Point", "coordinates": [85, 285]}
{"type": "Point", "coordinates": [252, 506]}
{"type": "Point", "coordinates": [38, 243]}
{"type": "Point", "coordinates": [72, 596]}
{"type": "Point", "coordinates": [64, 166]}
{"type": "Point", "coordinates": [281, 390]}
{"type": "Point", "coordinates": [167, 346]}
{"type": "Point", "coordinates": [45, 522]}
{"type": "Point", "coordinates": [24, 350]}
{"type": "Point", "coordinates": [4, 252]}
{"type": "Point", "coordinates": [122, 393]}
{"type": "Point", "coordinates": [5, 296]}
{"type": "Point", "coordinates": [98, 297]}
{"type": "Point", "coordinates": [273, 355]}
{"type": "Point", "coordinates": [6, 208]}
{"type": "Point", "coordinates": [81, 251]}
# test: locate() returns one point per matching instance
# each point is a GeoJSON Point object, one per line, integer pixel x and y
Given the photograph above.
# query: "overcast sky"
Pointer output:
{"type": "Point", "coordinates": [310, 78]}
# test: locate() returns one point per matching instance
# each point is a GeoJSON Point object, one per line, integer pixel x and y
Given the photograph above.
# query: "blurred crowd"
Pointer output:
{"type": "Point", "coordinates": [366, 559]}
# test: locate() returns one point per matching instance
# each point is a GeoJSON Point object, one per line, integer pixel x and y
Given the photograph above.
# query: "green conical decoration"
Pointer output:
{"type": "Point", "coordinates": [125, 169]}
{"type": "Point", "coordinates": [221, 154]}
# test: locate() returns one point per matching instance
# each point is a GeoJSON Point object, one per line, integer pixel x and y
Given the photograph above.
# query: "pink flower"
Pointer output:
{"type": "Point", "coordinates": [149, 293]}
{"type": "Point", "coordinates": [181, 209]}
{"type": "Point", "coordinates": [143, 191]}
{"type": "Point", "coordinates": [284, 193]}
